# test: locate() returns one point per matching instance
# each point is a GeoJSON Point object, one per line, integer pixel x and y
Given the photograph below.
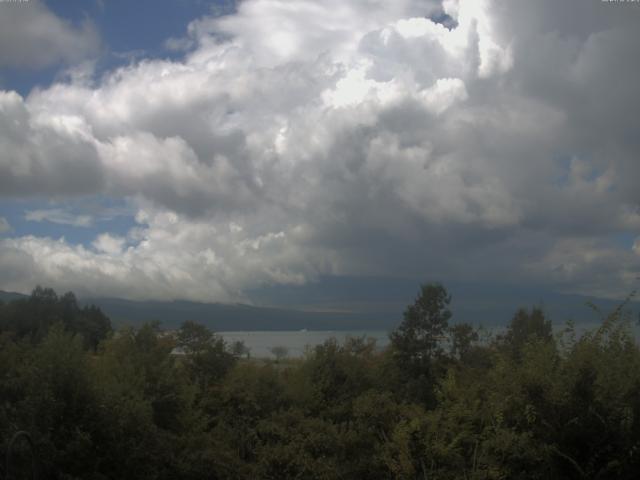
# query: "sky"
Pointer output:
{"type": "Point", "coordinates": [210, 150]}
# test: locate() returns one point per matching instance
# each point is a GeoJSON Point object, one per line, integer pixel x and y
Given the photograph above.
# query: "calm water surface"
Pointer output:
{"type": "Point", "coordinates": [296, 342]}
{"type": "Point", "coordinates": [261, 343]}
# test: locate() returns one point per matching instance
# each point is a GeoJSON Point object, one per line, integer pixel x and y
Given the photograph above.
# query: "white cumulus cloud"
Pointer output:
{"type": "Point", "coordinates": [31, 36]}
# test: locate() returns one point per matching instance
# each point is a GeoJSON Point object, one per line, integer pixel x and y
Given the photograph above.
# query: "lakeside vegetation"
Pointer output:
{"type": "Point", "coordinates": [436, 403]}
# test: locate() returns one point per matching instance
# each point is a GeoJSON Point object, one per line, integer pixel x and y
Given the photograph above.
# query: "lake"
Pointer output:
{"type": "Point", "coordinates": [261, 343]}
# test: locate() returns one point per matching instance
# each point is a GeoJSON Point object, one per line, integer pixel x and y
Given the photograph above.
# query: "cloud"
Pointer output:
{"type": "Point", "coordinates": [164, 251]}
{"type": "Point", "coordinates": [4, 225]}
{"type": "Point", "coordinates": [57, 215]}
{"type": "Point", "coordinates": [580, 264]}
{"type": "Point", "coordinates": [176, 44]}
{"type": "Point", "coordinates": [45, 153]}
{"type": "Point", "coordinates": [295, 140]}
{"type": "Point", "coordinates": [109, 244]}
{"type": "Point", "coordinates": [31, 36]}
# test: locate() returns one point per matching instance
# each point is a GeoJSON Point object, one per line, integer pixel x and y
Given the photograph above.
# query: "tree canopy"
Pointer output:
{"type": "Point", "coordinates": [439, 402]}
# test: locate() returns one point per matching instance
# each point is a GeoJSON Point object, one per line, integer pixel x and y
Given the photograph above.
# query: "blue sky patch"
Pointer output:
{"type": "Point", "coordinates": [128, 34]}
{"type": "Point", "coordinates": [79, 221]}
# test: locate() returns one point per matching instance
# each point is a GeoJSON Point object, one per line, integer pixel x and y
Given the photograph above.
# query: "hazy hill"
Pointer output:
{"type": "Point", "coordinates": [224, 317]}
{"type": "Point", "coordinates": [307, 309]}
{"type": "Point", "coordinates": [9, 296]}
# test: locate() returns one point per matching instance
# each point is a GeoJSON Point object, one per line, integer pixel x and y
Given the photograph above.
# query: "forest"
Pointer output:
{"type": "Point", "coordinates": [442, 401]}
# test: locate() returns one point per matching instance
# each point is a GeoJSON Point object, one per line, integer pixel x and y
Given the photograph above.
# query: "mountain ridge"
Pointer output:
{"type": "Point", "coordinates": [472, 305]}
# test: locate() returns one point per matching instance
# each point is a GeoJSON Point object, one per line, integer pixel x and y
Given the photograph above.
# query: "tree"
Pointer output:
{"type": "Point", "coordinates": [206, 355]}
{"type": "Point", "coordinates": [463, 336]}
{"type": "Point", "coordinates": [239, 349]}
{"type": "Point", "coordinates": [524, 327]}
{"type": "Point", "coordinates": [418, 337]}
{"type": "Point", "coordinates": [34, 316]}
{"type": "Point", "coordinates": [194, 337]}
{"type": "Point", "coordinates": [416, 344]}
{"type": "Point", "coordinates": [280, 352]}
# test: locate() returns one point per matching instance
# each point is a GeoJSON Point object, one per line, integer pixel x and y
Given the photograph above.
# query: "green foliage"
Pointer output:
{"type": "Point", "coordinates": [418, 338]}
{"type": "Point", "coordinates": [417, 344]}
{"type": "Point", "coordinates": [205, 354]}
{"type": "Point", "coordinates": [280, 352]}
{"type": "Point", "coordinates": [32, 317]}
{"type": "Point", "coordinates": [145, 403]}
{"type": "Point", "coordinates": [334, 374]}
{"type": "Point", "coordinates": [463, 340]}
{"type": "Point", "coordinates": [524, 327]}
